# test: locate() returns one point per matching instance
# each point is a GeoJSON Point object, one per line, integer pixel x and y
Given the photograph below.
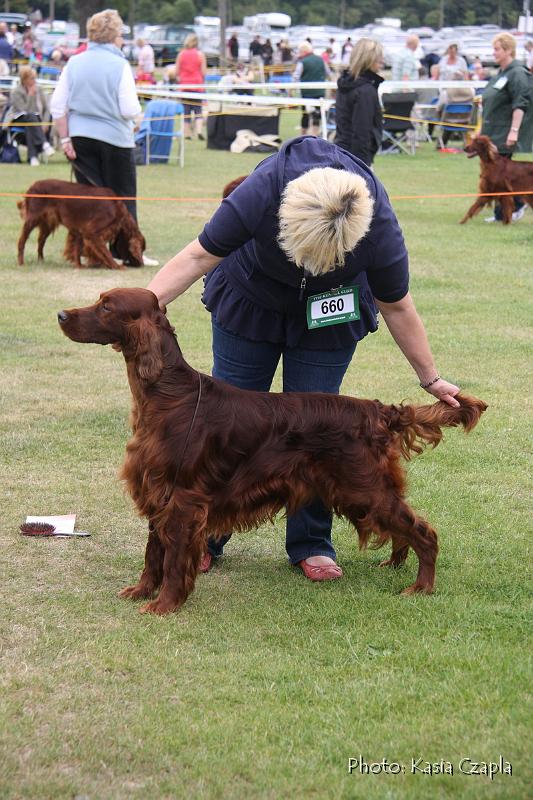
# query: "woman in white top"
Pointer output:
{"type": "Point", "coordinates": [452, 66]}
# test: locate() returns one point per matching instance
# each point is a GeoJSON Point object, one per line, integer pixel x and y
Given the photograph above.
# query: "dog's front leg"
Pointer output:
{"type": "Point", "coordinates": [184, 543]}
{"type": "Point", "coordinates": [475, 208]}
{"type": "Point", "coordinates": [152, 573]}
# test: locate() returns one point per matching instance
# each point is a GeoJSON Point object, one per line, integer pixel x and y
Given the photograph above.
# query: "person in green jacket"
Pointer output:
{"type": "Point", "coordinates": [310, 68]}
{"type": "Point", "coordinates": [508, 109]}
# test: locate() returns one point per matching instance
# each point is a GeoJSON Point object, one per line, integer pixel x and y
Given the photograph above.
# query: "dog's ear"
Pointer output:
{"type": "Point", "coordinates": [145, 341]}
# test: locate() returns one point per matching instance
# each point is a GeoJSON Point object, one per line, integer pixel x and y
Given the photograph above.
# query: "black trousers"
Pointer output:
{"type": "Point", "coordinates": [518, 202]}
{"type": "Point", "coordinates": [103, 164]}
{"type": "Point", "coordinates": [33, 134]}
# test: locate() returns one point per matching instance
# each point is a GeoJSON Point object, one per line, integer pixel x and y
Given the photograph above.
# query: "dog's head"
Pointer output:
{"type": "Point", "coordinates": [127, 319]}
{"type": "Point", "coordinates": [483, 147]}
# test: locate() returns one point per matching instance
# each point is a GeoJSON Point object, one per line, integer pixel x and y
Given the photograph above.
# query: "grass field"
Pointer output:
{"type": "Point", "coordinates": [264, 684]}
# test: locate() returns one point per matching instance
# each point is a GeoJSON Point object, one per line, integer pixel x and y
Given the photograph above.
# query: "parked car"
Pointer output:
{"type": "Point", "coordinates": [22, 21]}
{"type": "Point", "coordinates": [472, 48]}
{"type": "Point", "coordinates": [166, 40]}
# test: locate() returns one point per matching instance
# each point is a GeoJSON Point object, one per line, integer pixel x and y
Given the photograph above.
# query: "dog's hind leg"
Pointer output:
{"type": "Point", "coordinates": [44, 233]}
{"type": "Point", "coordinates": [409, 531]}
{"type": "Point", "coordinates": [152, 573]}
{"type": "Point", "coordinates": [183, 539]}
{"type": "Point", "coordinates": [27, 228]}
{"type": "Point", "coordinates": [400, 551]}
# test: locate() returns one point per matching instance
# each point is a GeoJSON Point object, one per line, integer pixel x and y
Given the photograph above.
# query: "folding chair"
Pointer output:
{"type": "Point", "coordinates": [459, 114]}
{"type": "Point", "coordinates": [161, 125]}
{"type": "Point", "coordinates": [398, 134]}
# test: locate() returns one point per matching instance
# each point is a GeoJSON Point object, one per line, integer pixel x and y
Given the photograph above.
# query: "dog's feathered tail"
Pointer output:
{"type": "Point", "coordinates": [418, 426]}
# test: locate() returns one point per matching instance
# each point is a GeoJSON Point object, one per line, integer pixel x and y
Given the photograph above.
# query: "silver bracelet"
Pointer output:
{"type": "Point", "coordinates": [430, 383]}
{"type": "Point", "coordinates": [65, 140]}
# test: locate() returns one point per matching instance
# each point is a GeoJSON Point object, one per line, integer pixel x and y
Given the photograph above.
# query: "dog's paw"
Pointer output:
{"type": "Point", "coordinates": [136, 592]}
{"type": "Point", "coordinates": [417, 588]}
{"type": "Point", "coordinates": [158, 607]}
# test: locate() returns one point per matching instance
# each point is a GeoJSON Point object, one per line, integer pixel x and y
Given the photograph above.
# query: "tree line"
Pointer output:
{"type": "Point", "coordinates": [343, 13]}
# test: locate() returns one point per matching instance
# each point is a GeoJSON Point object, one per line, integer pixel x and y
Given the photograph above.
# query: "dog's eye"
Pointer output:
{"type": "Point", "coordinates": [105, 307]}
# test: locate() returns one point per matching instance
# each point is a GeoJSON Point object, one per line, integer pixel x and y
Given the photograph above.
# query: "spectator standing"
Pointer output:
{"type": "Point", "coordinates": [508, 109]}
{"type": "Point", "coordinates": [6, 49]}
{"type": "Point", "coordinates": [233, 48]}
{"type": "Point", "coordinates": [359, 118]}
{"type": "Point", "coordinates": [335, 51]}
{"type": "Point", "coordinates": [94, 106]}
{"type": "Point", "coordinates": [452, 66]}
{"type": "Point", "coordinates": [406, 65]}
{"type": "Point", "coordinates": [145, 62]}
{"type": "Point", "coordinates": [267, 52]}
{"type": "Point", "coordinates": [28, 104]}
{"type": "Point", "coordinates": [310, 69]}
{"type": "Point", "coordinates": [27, 46]}
{"type": "Point", "coordinates": [256, 50]}
{"type": "Point", "coordinates": [191, 67]}
{"type": "Point", "coordinates": [346, 51]}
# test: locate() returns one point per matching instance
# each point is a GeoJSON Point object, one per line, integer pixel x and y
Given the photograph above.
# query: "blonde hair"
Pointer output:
{"type": "Point", "coordinates": [365, 53]}
{"type": "Point", "coordinates": [305, 47]}
{"type": "Point", "coordinates": [412, 39]}
{"type": "Point", "coordinates": [191, 41]}
{"type": "Point", "coordinates": [104, 27]}
{"type": "Point", "coordinates": [322, 216]}
{"type": "Point", "coordinates": [506, 42]}
{"type": "Point", "coordinates": [25, 73]}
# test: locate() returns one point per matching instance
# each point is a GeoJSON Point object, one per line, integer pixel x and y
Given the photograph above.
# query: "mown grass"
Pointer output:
{"type": "Point", "coordinates": [264, 684]}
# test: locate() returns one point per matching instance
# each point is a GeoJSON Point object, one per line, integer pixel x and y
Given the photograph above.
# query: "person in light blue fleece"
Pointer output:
{"type": "Point", "coordinates": [94, 106]}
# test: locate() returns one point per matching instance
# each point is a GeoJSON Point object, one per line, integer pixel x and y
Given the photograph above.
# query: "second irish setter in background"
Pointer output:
{"type": "Point", "coordinates": [206, 458]}
{"type": "Point", "coordinates": [91, 224]}
{"type": "Point", "coordinates": [498, 174]}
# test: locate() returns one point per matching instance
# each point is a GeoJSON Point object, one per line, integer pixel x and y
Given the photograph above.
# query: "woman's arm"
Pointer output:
{"type": "Point", "coordinates": [514, 130]}
{"type": "Point", "coordinates": [182, 271]}
{"type": "Point", "coordinates": [407, 330]}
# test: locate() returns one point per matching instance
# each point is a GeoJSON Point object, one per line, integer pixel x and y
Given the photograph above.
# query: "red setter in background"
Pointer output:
{"type": "Point", "coordinates": [91, 224]}
{"type": "Point", "coordinates": [229, 187]}
{"type": "Point", "coordinates": [206, 457]}
{"type": "Point", "coordinates": [498, 174]}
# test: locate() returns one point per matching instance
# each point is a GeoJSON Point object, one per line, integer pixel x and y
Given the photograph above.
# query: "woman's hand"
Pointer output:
{"type": "Point", "coordinates": [512, 138]}
{"type": "Point", "coordinates": [68, 150]}
{"type": "Point", "coordinates": [445, 391]}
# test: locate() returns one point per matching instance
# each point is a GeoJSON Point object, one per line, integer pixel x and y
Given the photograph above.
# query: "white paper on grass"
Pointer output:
{"type": "Point", "coordinates": [63, 523]}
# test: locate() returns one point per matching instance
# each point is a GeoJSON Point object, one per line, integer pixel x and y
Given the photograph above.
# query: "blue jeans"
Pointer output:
{"type": "Point", "coordinates": [251, 365]}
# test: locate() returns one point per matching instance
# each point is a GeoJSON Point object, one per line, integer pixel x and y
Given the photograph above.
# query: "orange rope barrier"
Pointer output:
{"type": "Point", "coordinates": [218, 199]}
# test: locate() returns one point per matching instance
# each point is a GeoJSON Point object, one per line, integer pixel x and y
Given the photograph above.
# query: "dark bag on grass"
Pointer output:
{"type": "Point", "coordinates": [9, 154]}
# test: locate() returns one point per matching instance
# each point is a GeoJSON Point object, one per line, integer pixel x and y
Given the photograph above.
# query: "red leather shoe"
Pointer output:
{"type": "Point", "coordinates": [207, 562]}
{"type": "Point", "coordinates": [320, 572]}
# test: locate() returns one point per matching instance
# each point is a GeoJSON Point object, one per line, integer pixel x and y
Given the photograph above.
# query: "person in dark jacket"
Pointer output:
{"type": "Point", "coordinates": [308, 220]}
{"type": "Point", "coordinates": [358, 112]}
{"type": "Point", "coordinates": [508, 109]}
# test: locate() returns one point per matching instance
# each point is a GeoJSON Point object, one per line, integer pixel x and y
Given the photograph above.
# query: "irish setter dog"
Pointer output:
{"type": "Point", "coordinates": [91, 224]}
{"type": "Point", "coordinates": [498, 174]}
{"type": "Point", "coordinates": [206, 458]}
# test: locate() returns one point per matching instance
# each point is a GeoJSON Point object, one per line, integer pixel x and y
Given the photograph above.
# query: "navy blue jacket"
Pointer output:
{"type": "Point", "coordinates": [255, 291]}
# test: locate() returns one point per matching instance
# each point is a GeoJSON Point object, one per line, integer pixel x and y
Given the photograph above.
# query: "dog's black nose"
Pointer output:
{"type": "Point", "coordinates": [62, 316]}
